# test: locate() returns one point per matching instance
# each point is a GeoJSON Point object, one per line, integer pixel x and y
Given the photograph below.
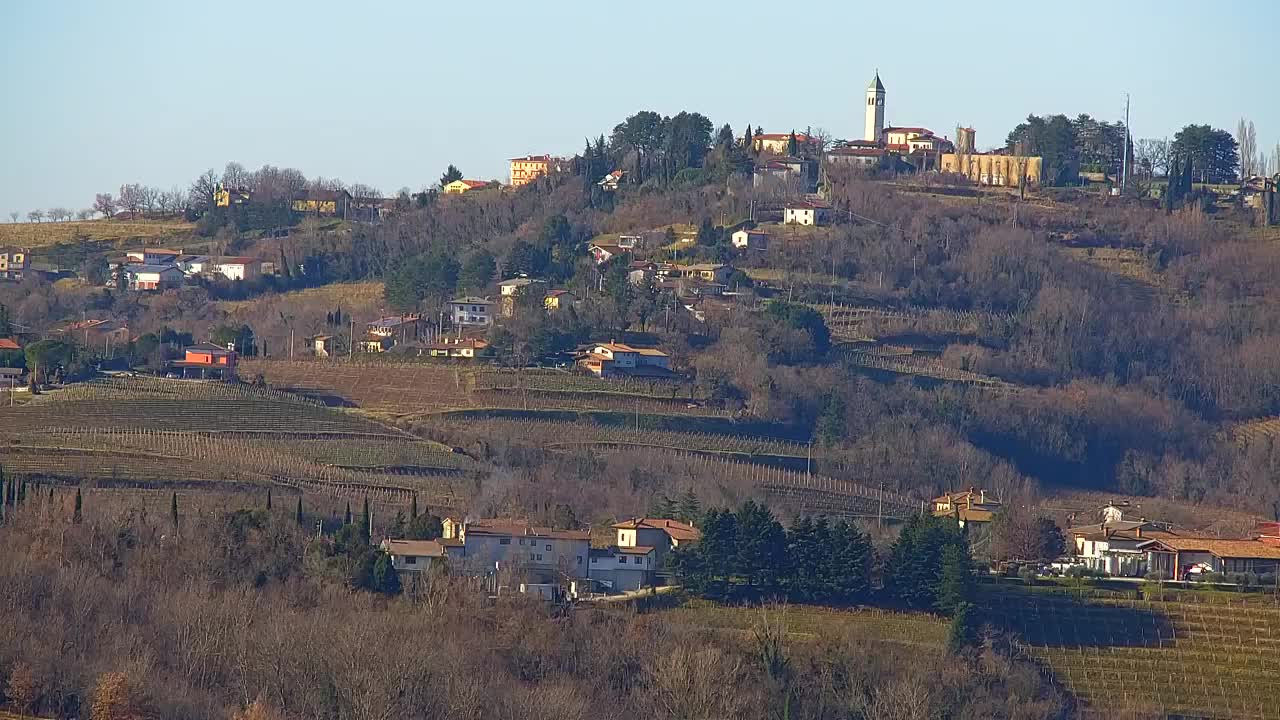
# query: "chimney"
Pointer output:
{"type": "Point", "coordinates": [983, 497]}
{"type": "Point", "coordinates": [1138, 532]}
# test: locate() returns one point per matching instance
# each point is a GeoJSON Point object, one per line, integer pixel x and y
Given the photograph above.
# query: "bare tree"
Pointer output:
{"type": "Point", "coordinates": [105, 203]}
{"type": "Point", "coordinates": [360, 190]}
{"type": "Point", "coordinates": [1247, 137]}
{"type": "Point", "coordinates": [203, 188]}
{"type": "Point", "coordinates": [35, 216]}
{"type": "Point", "coordinates": [148, 198]}
{"type": "Point", "coordinates": [84, 214]}
{"type": "Point", "coordinates": [132, 198]}
{"type": "Point", "coordinates": [1151, 155]}
{"type": "Point", "coordinates": [58, 214]}
{"type": "Point", "coordinates": [13, 216]}
{"type": "Point", "coordinates": [235, 176]}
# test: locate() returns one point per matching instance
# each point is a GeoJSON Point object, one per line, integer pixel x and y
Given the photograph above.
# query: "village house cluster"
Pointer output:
{"type": "Point", "coordinates": [161, 268]}
{"type": "Point", "coordinates": [518, 555]}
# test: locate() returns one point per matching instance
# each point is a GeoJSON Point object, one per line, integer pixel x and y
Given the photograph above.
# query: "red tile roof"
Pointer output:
{"type": "Point", "coordinates": [673, 528]}
{"type": "Point", "coordinates": [9, 344]}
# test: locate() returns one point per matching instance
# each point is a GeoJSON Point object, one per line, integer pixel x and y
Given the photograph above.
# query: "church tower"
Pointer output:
{"type": "Point", "coordinates": [875, 110]}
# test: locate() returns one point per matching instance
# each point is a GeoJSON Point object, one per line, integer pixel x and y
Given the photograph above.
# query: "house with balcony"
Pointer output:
{"type": "Point", "coordinates": [471, 311]}
{"type": "Point", "coordinates": [14, 263]}
{"type": "Point", "coordinates": [614, 359]}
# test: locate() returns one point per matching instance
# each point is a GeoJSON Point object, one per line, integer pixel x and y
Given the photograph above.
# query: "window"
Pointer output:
{"type": "Point", "coordinates": [622, 559]}
{"type": "Point", "coordinates": [593, 560]}
{"type": "Point", "coordinates": [548, 548]}
{"type": "Point", "coordinates": [504, 541]}
{"type": "Point", "coordinates": [522, 541]}
{"type": "Point", "coordinates": [410, 559]}
{"type": "Point", "coordinates": [539, 557]}
{"type": "Point", "coordinates": [579, 559]}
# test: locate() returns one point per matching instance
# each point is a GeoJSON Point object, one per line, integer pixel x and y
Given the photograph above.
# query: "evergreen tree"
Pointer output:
{"type": "Point", "coordinates": [716, 552]}
{"type": "Point", "coordinates": [761, 548]}
{"type": "Point", "coordinates": [77, 516]}
{"type": "Point", "coordinates": [173, 511]}
{"type": "Point", "coordinates": [915, 562]}
{"type": "Point", "coordinates": [268, 499]}
{"type": "Point", "coordinates": [807, 554]}
{"type": "Point", "coordinates": [793, 145]}
{"type": "Point", "coordinates": [366, 521]}
{"type": "Point", "coordinates": [848, 572]}
{"type": "Point", "coordinates": [830, 428]}
{"type": "Point", "coordinates": [747, 138]}
{"type": "Point", "coordinates": [690, 509]}
{"type": "Point", "coordinates": [413, 507]}
{"type": "Point", "coordinates": [385, 578]}
{"type": "Point", "coordinates": [451, 174]}
{"type": "Point", "coordinates": [424, 527]}
{"type": "Point", "coordinates": [22, 492]}
{"type": "Point", "coordinates": [955, 581]}
{"type": "Point", "coordinates": [396, 530]}
{"type": "Point", "coordinates": [963, 632]}
{"type": "Point", "coordinates": [346, 517]}
{"type": "Point", "coordinates": [298, 512]}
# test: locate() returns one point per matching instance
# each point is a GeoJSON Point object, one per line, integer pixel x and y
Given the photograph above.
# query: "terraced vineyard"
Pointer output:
{"type": "Point", "coordinates": [400, 389]}
{"type": "Point", "coordinates": [50, 233]}
{"type": "Point", "coordinates": [803, 622]}
{"type": "Point", "coordinates": [563, 435]}
{"type": "Point", "coordinates": [1172, 658]}
{"type": "Point", "coordinates": [1255, 430]}
{"type": "Point", "coordinates": [147, 432]}
{"type": "Point", "coordinates": [905, 363]}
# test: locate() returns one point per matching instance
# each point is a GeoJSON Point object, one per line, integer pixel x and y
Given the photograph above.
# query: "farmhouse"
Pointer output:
{"type": "Point", "coordinates": [413, 555]}
{"type": "Point", "coordinates": [751, 240]}
{"type": "Point", "coordinates": [660, 533]}
{"type": "Point", "coordinates": [457, 187]}
{"type": "Point", "coordinates": [968, 506]}
{"type": "Point", "coordinates": [153, 256]}
{"type": "Point", "coordinates": [602, 252]}
{"type": "Point", "coordinates": [806, 212]}
{"type": "Point", "coordinates": [616, 359]}
{"type": "Point", "coordinates": [458, 348]}
{"type": "Point", "coordinates": [323, 202]}
{"type": "Point", "coordinates": [206, 361]}
{"type": "Point", "coordinates": [237, 268]}
{"type": "Point", "coordinates": [610, 182]}
{"type": "Point", "coordinates": [322, 345]}
{"type": "Point", "coordinates": [858, 155]}
{"type": "Point", "coordinates": [397, 328]}
{"type": "Point", "coordinates": [471, 311]}
{"type": "Point", "coordinates": [707, 272]}
{"type": "Point", "coordinates": [1181, 558]}
{"type": "Point", "coordinates": [151, 277]}
{"type": "Point", "coordinates": [777, 143]}
{"type": "Point", "coordinates": [541, 554]}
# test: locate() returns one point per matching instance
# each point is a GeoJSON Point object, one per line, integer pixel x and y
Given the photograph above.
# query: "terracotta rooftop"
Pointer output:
{"type": "Point", "coordinates": [1221, 548]}
{"type": "Point", "coordinates": [9, 344]}
{"type": "Point", "coordinates": [420, 548]}
{"type": "Point", "coordinates": [673, 528]}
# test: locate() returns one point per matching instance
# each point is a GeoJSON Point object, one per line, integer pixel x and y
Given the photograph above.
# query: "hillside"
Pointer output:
{"type": "Point", "coordinates": [40, 235]}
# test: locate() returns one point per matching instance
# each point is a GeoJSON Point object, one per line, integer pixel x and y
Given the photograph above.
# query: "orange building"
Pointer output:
{"type": "Point", "coordinates": [525, 170]}
{"type": "Point", "coordinates": [206, 361]}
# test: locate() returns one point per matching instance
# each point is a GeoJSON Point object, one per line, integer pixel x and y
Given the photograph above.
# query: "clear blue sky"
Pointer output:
{"type": "Point", "coordinates": [102, 93]}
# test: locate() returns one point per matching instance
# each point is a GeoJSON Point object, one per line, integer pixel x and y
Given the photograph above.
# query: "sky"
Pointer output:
{"type": "Point", "coordinates": [389, 93]}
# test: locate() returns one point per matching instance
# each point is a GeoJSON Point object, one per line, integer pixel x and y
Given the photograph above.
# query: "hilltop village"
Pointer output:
{"type": "Point", "coordinates": [716, 422]}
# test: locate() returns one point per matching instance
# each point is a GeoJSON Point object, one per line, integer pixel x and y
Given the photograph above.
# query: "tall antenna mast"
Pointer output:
{"type": "Point", "coordinates": [1124, 160]}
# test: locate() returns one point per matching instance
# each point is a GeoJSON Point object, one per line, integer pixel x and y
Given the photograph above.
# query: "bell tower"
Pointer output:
{"type": "Point", "coordinates": [875, 110]}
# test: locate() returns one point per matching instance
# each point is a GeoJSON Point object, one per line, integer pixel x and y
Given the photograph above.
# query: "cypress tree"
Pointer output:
{"type": "Point", "coordinates": [22, 492]}
{"type": "Point", "coordinates": [78, 515]}
{"type": "Point", "coordinates": [346, 517]}
{"type": "Point", "coordinates": [366, 521]}
{"type": "Point", "coordinates": [173, 511]}
{"type": "Point", "coordinates": [298, 512]}
{"type": "Point", "coordinates": [268, 499]}
{"type": "Point", "coordinates": [413, 508]}
{"type": "Point", "coordinates": [385, 578]}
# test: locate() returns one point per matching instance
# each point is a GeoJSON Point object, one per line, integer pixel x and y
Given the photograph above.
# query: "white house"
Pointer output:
{"type": "Point", "coordinates": [538, 552]}
{"type": "Point", "coordinates": [413, 555]}
{"type": "Point", "coordinates": [195, 264]}
{"type": "Point", "coordinates": [806, 212]}
{"type": "Point", "coordinates": [661, 534]}
{"type": "Point", "coordinates": [610, 359]}
{"type": "Point", "coordinates": [621, 569]}
{"type": "Point", "coordinates": [154, 256]}
{"type": "Point", "coordinates": [471, 311]}
{"type": "Point", "coordinates": [152, 277]}
{"type": "Point", "coordinates": [515, 285]}
{"type": "Point", "coordinates": [237, 268]}
{"type": "Point", "coordinates": [751, 240]}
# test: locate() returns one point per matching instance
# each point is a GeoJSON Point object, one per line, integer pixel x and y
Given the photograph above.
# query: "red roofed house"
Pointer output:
{"type": "Point", "coordinates": [540, 554]}
{"type": "Point", "coordinates": [862, 154]}
{"type": "Point", "coordinates": [525, 170]}
{"type": "Point", "coordinates": [206, 361]}
{"type": "Point", "coordinates": [9, 344]}
{"type": "Point", "coordinates": [659, 533]}
{"type": "Point", "coordinates": [806, 212]}
{"type": "Point", "coordinates": [777, 143]}
{"type": "Point", "coordinates": [613, 359]}
{"type": "Point", "coordinates": [457, 187]}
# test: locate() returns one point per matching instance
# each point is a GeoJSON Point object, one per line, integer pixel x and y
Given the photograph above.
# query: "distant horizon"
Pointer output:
{"type": "Point", "coordinates": [157, 94]}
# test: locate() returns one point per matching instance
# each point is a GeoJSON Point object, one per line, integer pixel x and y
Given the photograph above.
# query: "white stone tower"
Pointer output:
{"type": "Point", "coordinates": [875, 110]}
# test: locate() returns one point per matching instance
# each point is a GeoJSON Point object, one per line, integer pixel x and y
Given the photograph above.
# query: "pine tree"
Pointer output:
{"type": "Point", "coordinates": [761, 548]}
{"type": "Point", "coordinates": [802, 581]}
{"type": "Point", "coordinates": [963, 632]}
{"type": "Point", "coordinates": [77, 516]}
{"type": "Point", "coordinates": [848, 571]}
{"type": "Point", "coordinates": [366, 521]}
{"type": "Point", "coordinates": [689, 508]}
{"type": "Point", "coordinates": [955, 582]}
{"type": "Point", "coordinates": [385, 578]}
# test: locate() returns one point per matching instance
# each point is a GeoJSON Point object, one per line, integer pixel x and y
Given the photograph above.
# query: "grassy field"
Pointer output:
{"type": "Point", "coordinates": [342, 295]}
{"type": "Point", "coordinates": [37, 235]}
{"type": "Point", "coordinates": [1169, 658]}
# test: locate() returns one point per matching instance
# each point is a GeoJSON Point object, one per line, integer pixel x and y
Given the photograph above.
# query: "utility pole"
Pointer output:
{"type": "Point", "coordinates": [1124, 160]}
{"type": "Point", "coordinates": [880, 507]}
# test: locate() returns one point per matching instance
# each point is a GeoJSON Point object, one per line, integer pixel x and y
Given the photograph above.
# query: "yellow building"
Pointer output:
{"type": "Point", "coordinates": [996, 170]}
{"type": "Point", "coordinates": [323, 202]}
{"type": "Point", "coordinates": [226, 197]}
{"type": "Point", "coordinates": [13, 262]}
{"type": "Point", "coordinates": [457, 187]}
{"type": "Point", "coordinates": [777, 143]}
{"type": "Point", "coordinates": [525, 170]}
